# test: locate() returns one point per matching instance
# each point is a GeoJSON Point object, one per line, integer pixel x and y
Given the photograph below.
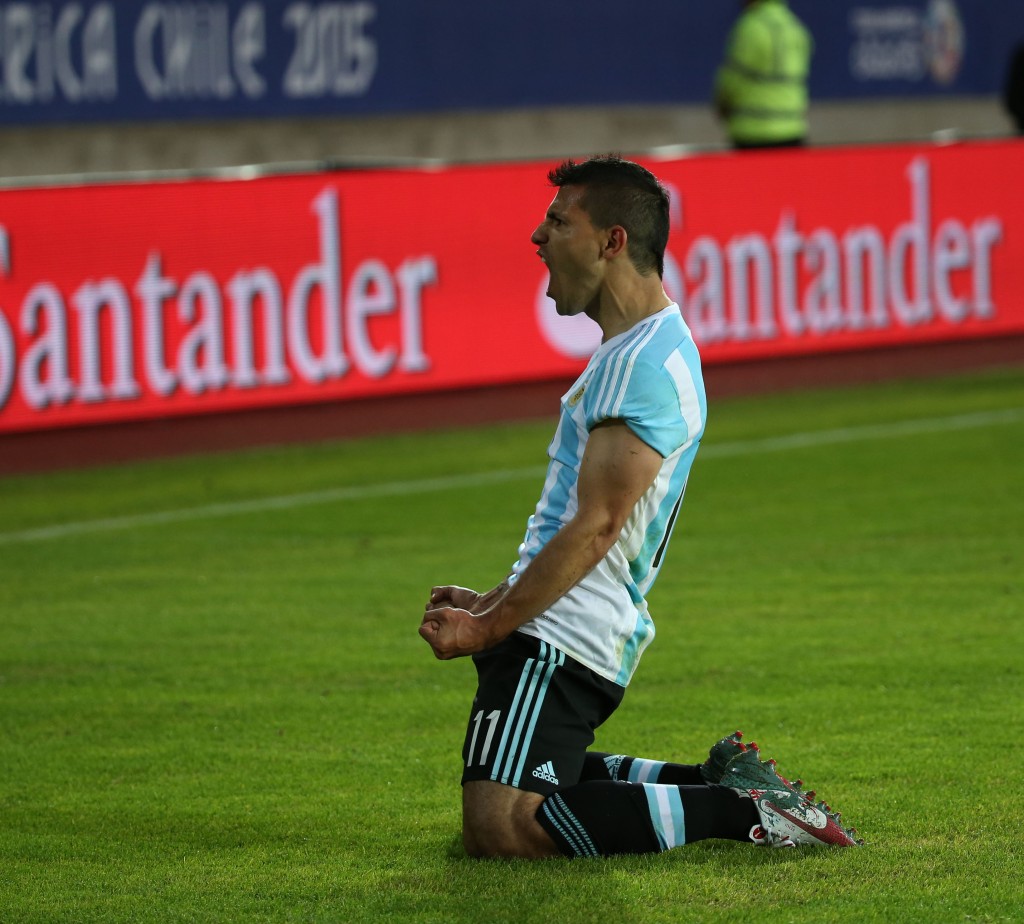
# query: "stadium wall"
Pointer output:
{"type": "Point", "coordinates": [106, 149]}
{"type": "Point", "coordinates": [329, 302]}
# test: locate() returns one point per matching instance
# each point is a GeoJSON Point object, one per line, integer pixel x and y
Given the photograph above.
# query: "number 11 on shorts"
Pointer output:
{"type": "Point", "coordinates": [492, 723]}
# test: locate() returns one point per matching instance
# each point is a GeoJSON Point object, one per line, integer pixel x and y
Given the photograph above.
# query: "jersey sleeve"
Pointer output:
{"type": "Point", "coordinates": [648, 402]}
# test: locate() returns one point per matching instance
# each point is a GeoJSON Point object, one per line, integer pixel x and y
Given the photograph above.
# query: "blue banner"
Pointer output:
{"type": "Point", "coordinates": [97, 60]}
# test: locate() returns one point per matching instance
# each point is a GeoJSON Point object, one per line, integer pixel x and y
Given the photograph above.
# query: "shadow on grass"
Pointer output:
{"type": "Point", "coordinates": [711, 853]}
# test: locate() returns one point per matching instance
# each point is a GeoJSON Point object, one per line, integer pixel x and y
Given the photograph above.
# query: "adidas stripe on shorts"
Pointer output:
{"type": "Point", "coordinates": [533, 716]}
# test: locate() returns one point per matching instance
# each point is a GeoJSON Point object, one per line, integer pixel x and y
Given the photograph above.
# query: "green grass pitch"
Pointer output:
{"type": "Point", "coordinates": [214, 705]}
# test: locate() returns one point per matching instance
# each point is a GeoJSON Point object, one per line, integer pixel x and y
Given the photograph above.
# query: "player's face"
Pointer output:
{"type": "Point", "coordinates": [571, 247]}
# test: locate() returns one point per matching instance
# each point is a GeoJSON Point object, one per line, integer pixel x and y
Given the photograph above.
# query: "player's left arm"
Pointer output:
{"type": "Point", "coordinates": [464, 598]}
{"type": "Point", "coordinates": [617, 468]}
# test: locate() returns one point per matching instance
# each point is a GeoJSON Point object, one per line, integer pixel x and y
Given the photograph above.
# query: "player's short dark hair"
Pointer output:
{"type": "Point", "coordinates": [620, 192]}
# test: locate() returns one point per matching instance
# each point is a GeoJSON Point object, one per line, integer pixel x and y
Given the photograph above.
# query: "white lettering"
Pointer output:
{"type": "Point", "coordinates": [371, 292]}
{"type": "Point", "coordinates": [892, 59]}
{"type": "Point", "coordinates": [822, 304]}
{"type": "Point", "coordinates": [38, 56]}
{"type": "Point", "coordinates": [413, 277]}
{"type": "Point", "coordinates": [43, 376]}
{"type": "Point", "coordinates": [952, 252]}
{"type": "Point", "coordinates": [865, 257]}
{"type": "Point", "coordinates": [788, 244]}
{"type": "Point", "coordinates": [201, 353]}
{"type": "Point", "coordinates": [19, 34]}
{"type": "Point", "coordinates": [8, 359]}
{"type": "Point", "coordinates": [827, 283]}
{"type": "Point", "coordinates": [912, 238]}
{"type": "Point", "coordinates": [99, 54]}
{"type": "Point", "coordinates": [145, 52]}
{"type": "Point", "coordinates": [245, 288]}
{"type": "Point", "coordinates": [889, 18]}
{"type": "Point", "coordinates": [193, 51]}
{"type": "Point", "coordinates": [249, 44]}
{"type": "Point", "coordinates": [325, 276]}
{"type": "Point", "coordinates": [707, 303]}
{"type": "Point", "coordinates": [333, 54]}
{"type": "Point", "coordinates": [70, 82]}
{"type": "Point", "coordinates": [888, 44]}
{"type": "Point", "coordinates": [153, 290]}
{"type": "Point", "coordinates": [8, 356]}
{"type": "Point", "coordinates": [351, 55]}
{"type": "Point", "coordinates": [985, 234]}
{"type": "Point", "coordinates": [750, 255]}
{"type": "Point", "coordinates": [89, 300]}
{"type": "Point", "coordinates": [189, 340]}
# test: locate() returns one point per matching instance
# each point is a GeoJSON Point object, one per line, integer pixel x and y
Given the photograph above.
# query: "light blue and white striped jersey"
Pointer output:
{"type": "Point", "coordinates": [650, 378]}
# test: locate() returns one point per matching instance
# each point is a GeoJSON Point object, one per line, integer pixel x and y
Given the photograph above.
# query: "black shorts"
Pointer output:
{"type": "Point", "coordinates": [534, 715]}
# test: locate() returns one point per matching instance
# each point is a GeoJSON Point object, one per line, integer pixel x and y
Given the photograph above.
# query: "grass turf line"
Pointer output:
{"type": "Point", "coordinates": [233, 719]}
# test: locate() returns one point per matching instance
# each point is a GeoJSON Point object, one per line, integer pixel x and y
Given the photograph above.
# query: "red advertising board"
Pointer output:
{"type": "Point", "coordinates": [144, 299]}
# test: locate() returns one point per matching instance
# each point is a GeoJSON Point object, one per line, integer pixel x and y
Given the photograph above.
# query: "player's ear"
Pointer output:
{"type": "Point", "coordinates": [615, 241]}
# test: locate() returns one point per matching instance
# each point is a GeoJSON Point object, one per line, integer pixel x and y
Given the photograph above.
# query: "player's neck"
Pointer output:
{"type": "Point", "coordinates": [619, 309]}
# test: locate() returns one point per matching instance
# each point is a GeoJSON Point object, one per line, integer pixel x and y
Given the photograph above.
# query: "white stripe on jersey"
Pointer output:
{"type": "Point", "coordinates": [617, 407]}
{"type": "Point", "coordinates": [688, 406]}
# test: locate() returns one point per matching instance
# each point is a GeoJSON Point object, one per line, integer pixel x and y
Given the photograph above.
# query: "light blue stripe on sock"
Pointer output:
{"type": "Point", "coordinates": [574, 843]}
{"type": "Point", "coordinates": [666, 807]}
{"type": "Point", "coordinates": [581, 841]}
{"type": "Point", "coordinates": [645, 771]}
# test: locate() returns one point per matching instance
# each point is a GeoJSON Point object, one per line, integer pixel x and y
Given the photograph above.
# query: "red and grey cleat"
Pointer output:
{"type": "Point", "coordinates": [789, 816]}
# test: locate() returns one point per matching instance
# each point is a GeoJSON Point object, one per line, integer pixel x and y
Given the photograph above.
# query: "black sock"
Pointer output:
{"type": "Point", "coordinates": [600, 766]}
{"type": "Point", "coordinates": [600, 818]}
{"type": "Point", "coordinates": [606, 817]}
{"type": "Point", "coordinates": [717, 811]}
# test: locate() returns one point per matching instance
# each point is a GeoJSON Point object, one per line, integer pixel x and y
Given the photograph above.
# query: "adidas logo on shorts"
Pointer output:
{"type": "Point", "coordinates": [546, 772]}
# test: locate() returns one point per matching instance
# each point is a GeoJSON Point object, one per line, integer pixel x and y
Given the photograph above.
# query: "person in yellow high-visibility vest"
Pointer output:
{"type": "Point", "coordinates": [761, 86]}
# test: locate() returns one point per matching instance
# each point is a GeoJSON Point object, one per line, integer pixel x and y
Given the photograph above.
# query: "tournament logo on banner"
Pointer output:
{"type": "Point", "coordinates": [895, 42]}
{"type": "Point", "coordinates": [943, 40]}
